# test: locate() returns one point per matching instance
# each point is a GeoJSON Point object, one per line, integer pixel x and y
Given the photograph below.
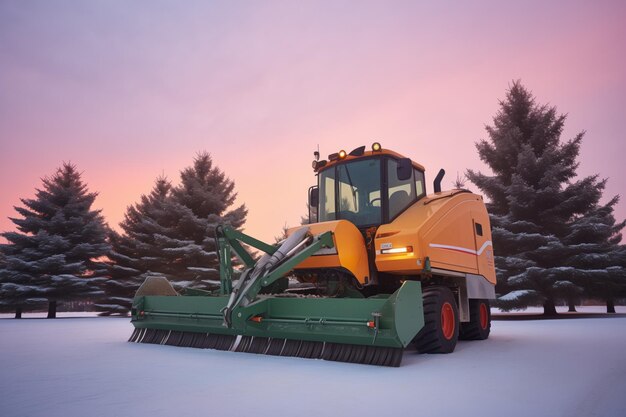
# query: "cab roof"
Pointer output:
{"type": "Point", "coordinates": [325, 164]}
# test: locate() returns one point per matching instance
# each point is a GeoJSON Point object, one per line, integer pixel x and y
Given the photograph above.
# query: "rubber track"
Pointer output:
{"type": "Point", "coordinates": [368, 355]}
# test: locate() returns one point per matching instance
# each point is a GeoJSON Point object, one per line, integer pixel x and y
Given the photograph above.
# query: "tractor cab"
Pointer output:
{"type": "Point", "coordinates": [367, 188]}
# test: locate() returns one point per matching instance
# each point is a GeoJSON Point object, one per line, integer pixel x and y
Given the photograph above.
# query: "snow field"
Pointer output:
{"type": "Point", "coordinates": [562, 310]}
{"type": "Point", "coordinates": [83, 366]}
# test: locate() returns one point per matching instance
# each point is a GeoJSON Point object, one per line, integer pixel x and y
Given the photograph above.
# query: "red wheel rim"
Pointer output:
{"type": "Point", "coordinates": [484, 316]}
{"type": "Point", "coordinates": [447, 320]}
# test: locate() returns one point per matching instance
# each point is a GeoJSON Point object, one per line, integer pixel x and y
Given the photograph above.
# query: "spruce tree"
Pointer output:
{"type": "Point", "coordinates": [53, 255]}
{"type": "Point", "coordinates": [171, 233]}
{"type": "Point", "coordinates": [592, 248]}
{"type": "Point", "coordinates": [538, 208]}
{"type": "Point", "coordinates": [136, 252]}
{"type": "Point", "coordinates": [204, 199]}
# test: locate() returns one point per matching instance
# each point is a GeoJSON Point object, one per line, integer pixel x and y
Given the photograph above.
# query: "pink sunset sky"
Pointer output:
{"type": "Point", "coordinates": [128, 91]}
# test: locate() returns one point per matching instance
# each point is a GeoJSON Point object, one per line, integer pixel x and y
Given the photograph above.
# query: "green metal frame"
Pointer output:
{"type": "Point", "coordinates": [385, 322]}
{"type": "Point", "coordinates": [391, 321]}
{"type": "Point", "coordinates": [228, 241]}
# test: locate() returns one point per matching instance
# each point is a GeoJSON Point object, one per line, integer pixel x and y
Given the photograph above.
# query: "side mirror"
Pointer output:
{"type": "Point", "coordinates": [405, 169]}
{"type": "Point", "coordinates": [314, 196]}
{"type": "Point", "coordinates": [314, 199]}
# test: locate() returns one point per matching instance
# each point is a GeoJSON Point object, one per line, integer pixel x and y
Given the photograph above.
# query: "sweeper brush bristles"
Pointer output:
{"type": "Point", "coordinates": [339, 352]}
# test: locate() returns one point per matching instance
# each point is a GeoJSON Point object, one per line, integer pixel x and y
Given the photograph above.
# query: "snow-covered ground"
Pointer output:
{"type": "Point", "coordinates": [559, 309]}
{"type": "Point", "coordinates": [84, 367]}
{"type": "Point", "coordinates": [60, 314]}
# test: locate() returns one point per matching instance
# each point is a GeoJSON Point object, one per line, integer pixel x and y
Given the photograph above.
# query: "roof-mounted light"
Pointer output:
{"type": "Point", "coordinates": [319, 164]}
{"type": "Point", "coordinates": [376, 147]}
{"type": "Point", "coordinates": [342, 154]}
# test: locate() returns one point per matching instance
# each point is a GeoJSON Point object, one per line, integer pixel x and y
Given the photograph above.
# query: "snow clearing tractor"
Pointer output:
{"type": "Point", "coordinates": [382, 265]}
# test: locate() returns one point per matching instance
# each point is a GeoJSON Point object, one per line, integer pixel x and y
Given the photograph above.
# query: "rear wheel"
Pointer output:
{"type": "Point", "coordinates": [479, 326]}
{"type": "Point", "coordinates": [441, 322]}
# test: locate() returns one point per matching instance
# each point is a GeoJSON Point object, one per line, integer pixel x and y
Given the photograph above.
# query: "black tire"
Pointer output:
{"type": "Point", "coordinates": [441, 317]}
{"type": "Point", "coordinates": [479, 326]}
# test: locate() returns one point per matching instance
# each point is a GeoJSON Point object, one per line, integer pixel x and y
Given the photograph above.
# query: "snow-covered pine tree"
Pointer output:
{"type": "Point", "coordinates": [536, 204]}
{"type": "Point", "coordinates": [594, 250]}
{"type": "Point", "coordinates": [137, 251]}
{"type": "Point", "coordinates": [170, 232]}
{"type": "Point", "coordinates": [204, 199]}
{"type": "Point", "coordinates": [53, 255]}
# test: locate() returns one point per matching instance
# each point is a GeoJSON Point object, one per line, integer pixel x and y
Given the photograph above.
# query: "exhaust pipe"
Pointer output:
{"type": "Point", "coordinates": [438, 178]}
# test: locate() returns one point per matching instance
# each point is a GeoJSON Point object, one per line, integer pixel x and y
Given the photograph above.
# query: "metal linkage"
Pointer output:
{"type": "Point", "coordinates": [229, 241]}
{"type": "Point", "coordinates": [272, 266]}
{"type": "Point", "coordinates": [338, 352]}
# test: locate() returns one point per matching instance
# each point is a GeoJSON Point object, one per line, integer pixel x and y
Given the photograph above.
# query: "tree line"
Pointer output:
{"type": "Point", "coordinates": [554, 241]}
{"type": "Point", "coordinates": [63, 249]}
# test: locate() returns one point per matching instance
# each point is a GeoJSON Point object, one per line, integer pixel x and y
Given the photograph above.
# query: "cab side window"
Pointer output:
{"type": "Point", "coordinates": [327, 197]}
{"type": "Point", "coordinates": [401, 193]}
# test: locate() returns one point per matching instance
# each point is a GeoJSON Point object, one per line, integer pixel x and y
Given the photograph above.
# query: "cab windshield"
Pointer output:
{"type": "Point", "coordinates": [352, 191]}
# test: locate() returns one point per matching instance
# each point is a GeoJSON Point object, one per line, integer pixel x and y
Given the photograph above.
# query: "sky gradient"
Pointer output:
{"type": "Point", "coordinates": [129, 91]}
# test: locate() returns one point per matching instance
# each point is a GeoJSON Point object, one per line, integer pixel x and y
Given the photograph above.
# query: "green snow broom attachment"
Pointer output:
{"type": "Point", "coordinates": [247, 318]}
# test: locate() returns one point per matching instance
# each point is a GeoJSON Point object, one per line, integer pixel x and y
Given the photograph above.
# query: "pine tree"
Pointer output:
{"type": "Point", "coordinates": [310, 215]}
{"type": "Point", "coordinates": [459, 182]}
{"type": "Point", "coordinates": [204, 199]}
{"type": "Point", "coordinates": [538, 209]}
{"type": "Point", "coordinates": [592, 247]}
{"type": "Point", "coordinates": [136, 252]}
{"type": "Point", "coordinates": [283, 234]}
{"type": "Point", "coordinates": [171, 233]}
{"type": "Point", "coordinates": [53, 255]}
